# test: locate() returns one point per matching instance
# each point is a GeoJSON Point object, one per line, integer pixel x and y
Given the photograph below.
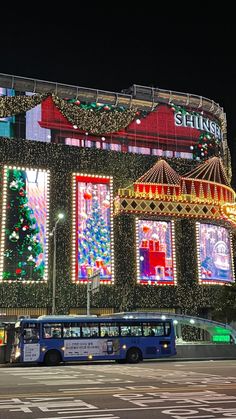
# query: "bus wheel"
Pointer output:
{"type": "Point", "coordinates": [52, 358]}
{"type": "Point", "coordinates": [133, 356]}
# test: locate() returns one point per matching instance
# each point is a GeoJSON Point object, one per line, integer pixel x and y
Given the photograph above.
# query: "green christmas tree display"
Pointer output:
{"type": "Point", "coordinates": [94, 242]}
{"type": "Point", "coordinates": [21, 239]}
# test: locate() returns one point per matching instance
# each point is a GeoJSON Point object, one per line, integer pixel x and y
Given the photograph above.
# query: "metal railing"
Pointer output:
{"type": "Point", "coordinates": [142, 97]}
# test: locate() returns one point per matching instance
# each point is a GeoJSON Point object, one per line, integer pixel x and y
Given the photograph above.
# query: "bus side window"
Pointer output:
{"type": "Point", "coordinates": [46, 333]}
{"type": "Point", "coordinates": [159, 330]}
{"type": "Point", "coordinates": [66, 333]}
{"type": "Point", "coordinates": [136, 330]}
{"type": "Point", "coordinates": [30, 335]}
{"type": "Point", "coordinates": [35, 335]}
{"type": "Point", "coordinates": [56, 333]}
{"type": "Point", "coordinates": [109, 330]}
{"type": "Point", "coordinates": [52, 330]}
{"type": "Point", "coordinates": [104, 331]}
{"type": "Point", "coordinates": [71, 330]}
{"type": "Point", "coordinates": [86, 332]}
{"type": "Point", "coordinates": [125, 330]}
{"type": "Point", "coordinates": [151, 332]}
{"type": "Point", "coordinates": [150, 329]}
{"type": "Point", "coordinates": [146, 330]}
{"type": "Point", "coordinates": [27, 335]}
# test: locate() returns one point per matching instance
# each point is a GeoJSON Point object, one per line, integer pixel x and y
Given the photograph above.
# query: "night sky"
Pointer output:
{"type": "Point", "coordinates": [113, 49]}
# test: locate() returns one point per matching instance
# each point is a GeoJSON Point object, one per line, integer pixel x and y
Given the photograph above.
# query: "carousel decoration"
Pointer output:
{"type": "Point", "coordinates": [202, 193]}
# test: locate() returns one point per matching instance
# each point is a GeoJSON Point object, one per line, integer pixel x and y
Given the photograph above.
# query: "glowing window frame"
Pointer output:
{"type": "Point", "coordinates": [173, 242]}
{"type": "Point", "coordinates": [220, 282]}
{"type": "Point", "coordinates": [3, 223]}
{"type": "Point", "coordinates": [82, 177]}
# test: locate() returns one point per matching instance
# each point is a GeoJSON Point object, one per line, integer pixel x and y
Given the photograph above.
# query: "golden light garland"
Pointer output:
{"type": "Point", "coordinates": [92, 121]}
{"type": "Point", "coordinates": [14, 105]}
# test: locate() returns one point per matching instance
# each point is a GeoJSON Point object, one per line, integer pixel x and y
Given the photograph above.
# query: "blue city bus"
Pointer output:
{"type": "Point", "coordinates": [55, 339]}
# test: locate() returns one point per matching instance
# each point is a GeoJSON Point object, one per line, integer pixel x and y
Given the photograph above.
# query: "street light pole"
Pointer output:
{"type": "Point", "coordinates": [88, 296]}
{"type": "Point", "coordinates": [54, 234]}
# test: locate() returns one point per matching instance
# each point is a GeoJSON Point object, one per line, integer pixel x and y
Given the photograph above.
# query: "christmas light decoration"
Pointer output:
{"type": "Point", "coordinates": [90, 118]}
{"type": "Point", "coordinates": [22, 255]}
{"type": "Point", "coordinates": [14, 105]}
{"type": "Point", "coordinates": [206, 147]}
{"type": "Point", "coordinates": [214, 254]}
{"type": "Point", "coordinates": [95, 121]}
{"type": "Point", "coordinates": [210, 140]}
{"type": "Point", "coordinates": [202, 192]}
{"type": "Point", "coordinates": [155, 252]}
{"type": "Point", "coordinates": [188, 295]}
{"type": "Point", "coordinates": [95, 238]}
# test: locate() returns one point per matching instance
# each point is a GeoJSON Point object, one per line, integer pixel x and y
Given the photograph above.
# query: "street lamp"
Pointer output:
{"type": "Point", "coordinates": [53, 233]}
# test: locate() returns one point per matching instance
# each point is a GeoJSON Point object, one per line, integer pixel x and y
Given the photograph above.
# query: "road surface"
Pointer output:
{"type": "Point", "coordinates": [160, 390]}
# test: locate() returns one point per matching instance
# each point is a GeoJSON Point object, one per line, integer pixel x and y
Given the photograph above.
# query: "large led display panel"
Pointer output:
{"type": "Point", "coordinates": [33, 130]}
{"type": "Point", "coordinates": [24, 225]}
{"type": "Point", "coordinates": [214, 254]}
{"type": "Point", "coordinates": [93, 226]}
{"type": "Point", "coordinates": [156, 255]}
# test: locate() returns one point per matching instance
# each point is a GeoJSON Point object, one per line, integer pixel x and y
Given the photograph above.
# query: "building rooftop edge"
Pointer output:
{"type": "Point", "coordinates": [142, 97]}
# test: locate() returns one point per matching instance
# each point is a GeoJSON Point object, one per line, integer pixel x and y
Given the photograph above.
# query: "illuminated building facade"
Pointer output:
{"type": "Point", "coordinates": [143, 178]}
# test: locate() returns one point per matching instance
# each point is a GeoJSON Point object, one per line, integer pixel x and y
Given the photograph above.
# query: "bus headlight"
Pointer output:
{"type": "Point", "coordinates": [43, 349]}
{"type": "Point", "coordinates": [90, 356]}
{"type": "Point", "coordinates": [17, 353]}
{"type": "Point", "coordinates": [123, 346]}
{"type": "Point", "coordinates": [165, 345]}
